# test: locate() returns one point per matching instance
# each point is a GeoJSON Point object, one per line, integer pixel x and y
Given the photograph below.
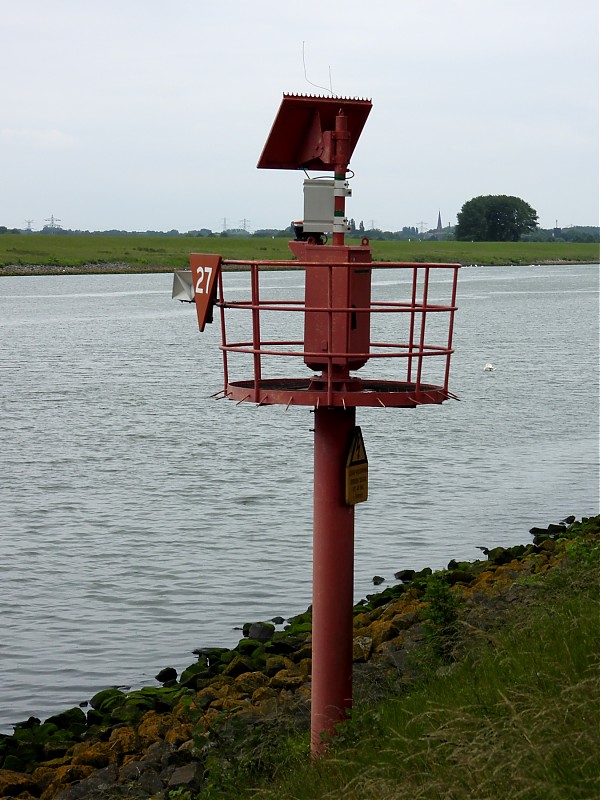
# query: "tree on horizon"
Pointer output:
{"type": "Point", "coordinates": [495, 218]}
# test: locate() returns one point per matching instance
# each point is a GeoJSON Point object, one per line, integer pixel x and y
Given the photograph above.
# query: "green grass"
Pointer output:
{"type": "Point", "coordinates": [156, 252]}
{"type": "Point", "coordinates": [147, 252]}
{"type": "Point", "coordinates": [515, 716]}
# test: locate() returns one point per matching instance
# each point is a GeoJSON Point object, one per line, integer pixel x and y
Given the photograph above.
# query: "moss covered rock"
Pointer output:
{"type": "Point", "coordinates": [238, 666]}
{"type": "Point", "coordinates": [15, 783]}
{"type": "Point", "coordinates": [93, 754]}
{"type": "Point", "coordinates": [191, 676]}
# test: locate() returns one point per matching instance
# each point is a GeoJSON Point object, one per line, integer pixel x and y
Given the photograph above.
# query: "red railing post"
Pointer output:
{"type": "Point", "coordinates": [256, 329]}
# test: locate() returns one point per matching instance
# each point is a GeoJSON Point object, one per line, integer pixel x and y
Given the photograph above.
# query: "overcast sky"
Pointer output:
{"type": "Point", "coordinates": [139, 114]}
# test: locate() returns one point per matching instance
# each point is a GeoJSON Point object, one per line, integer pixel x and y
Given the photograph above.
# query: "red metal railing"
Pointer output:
{"type": "Point", "coordinates": [333, 388]}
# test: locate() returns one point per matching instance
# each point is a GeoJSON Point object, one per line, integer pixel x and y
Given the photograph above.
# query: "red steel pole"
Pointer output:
{"type": "Point", "coordinates": [341, 137]}
{"type": "Point", "coordinates": [333, 526]}
{"type": "Point", "coordinates": [333, 575]}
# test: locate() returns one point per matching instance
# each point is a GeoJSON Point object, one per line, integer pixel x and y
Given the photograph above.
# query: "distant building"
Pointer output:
{"type": "Point", "coordinates": [439, 231]}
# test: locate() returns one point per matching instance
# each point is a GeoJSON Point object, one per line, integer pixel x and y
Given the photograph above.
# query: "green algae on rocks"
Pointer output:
{"type": "Point", "coordinates": [233, 701]}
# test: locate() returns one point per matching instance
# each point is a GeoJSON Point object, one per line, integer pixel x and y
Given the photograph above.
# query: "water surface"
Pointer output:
{"type": "Point", "coordinates": [140, 519]}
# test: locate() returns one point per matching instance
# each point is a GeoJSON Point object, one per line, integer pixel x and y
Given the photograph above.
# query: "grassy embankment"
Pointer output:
{"type": "Point", "coordinates": [479, 681]}
{"type": "Point", "coordinates": [511, 710]}
{"type": "Point", "coordinates": [20, 252]}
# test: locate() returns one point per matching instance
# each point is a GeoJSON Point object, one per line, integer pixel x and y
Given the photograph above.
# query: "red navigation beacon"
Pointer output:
{"type": "Point", "coordinates": [339, 319]}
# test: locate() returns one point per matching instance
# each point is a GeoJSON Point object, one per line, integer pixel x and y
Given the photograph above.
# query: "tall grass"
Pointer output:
{"type": "Point", "coordinates": [516, 717]}
{"type": "Point", "coordinates": [161, 252]}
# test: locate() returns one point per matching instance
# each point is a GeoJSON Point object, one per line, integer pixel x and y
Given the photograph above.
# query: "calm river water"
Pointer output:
{"type": "Point", "coordinates": [140, 519]}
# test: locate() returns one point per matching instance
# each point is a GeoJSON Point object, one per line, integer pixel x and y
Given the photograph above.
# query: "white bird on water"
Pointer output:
{"type": "Point", "coordinates": [489, 367]}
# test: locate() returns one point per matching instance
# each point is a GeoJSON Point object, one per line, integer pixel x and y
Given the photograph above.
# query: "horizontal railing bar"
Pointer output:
{"type": "Point", "coordinates": [376, 308]}
{"type": "Point", "coordinates": [299, 343]}
{"type": "Point", "coordinates": [237, 262]}
{"type": "Point", "coordinates": [246, 347]}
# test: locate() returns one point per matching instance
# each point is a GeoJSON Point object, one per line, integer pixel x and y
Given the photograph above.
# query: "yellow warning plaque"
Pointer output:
{"type": "Point", "coordinates": [357, 470]}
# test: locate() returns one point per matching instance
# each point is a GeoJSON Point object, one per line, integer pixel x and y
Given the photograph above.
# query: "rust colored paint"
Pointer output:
{"type": "Point", "coordinates": [337, 331]}
{"type": "Point", "coordinates": [341, 321]}
{"type": "Point", "coordinates": [340, 316]}
{"type": "Point", "coordinates": [333, 576]}
{"type": "Point", "coordinates": [205, 271]}
{"type": "Point", "coordinates": [303, 131]}
{"type": "Point", "coordinates": [341, 158]}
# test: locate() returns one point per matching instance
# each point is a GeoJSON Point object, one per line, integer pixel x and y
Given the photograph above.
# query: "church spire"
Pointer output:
{"type": "Point", "coordinates": [439, 225]}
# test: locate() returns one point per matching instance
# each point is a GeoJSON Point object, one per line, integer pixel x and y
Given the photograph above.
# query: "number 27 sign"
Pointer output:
{"type": "Point", "coordinates": [205, 270]}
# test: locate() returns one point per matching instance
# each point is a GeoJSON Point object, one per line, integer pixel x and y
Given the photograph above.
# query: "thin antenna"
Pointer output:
{"type": "Point", "coordinates": [316, 85]}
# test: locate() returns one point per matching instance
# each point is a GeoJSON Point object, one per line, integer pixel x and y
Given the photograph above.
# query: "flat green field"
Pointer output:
{"type": "Point", "coordinates": [20, 252]}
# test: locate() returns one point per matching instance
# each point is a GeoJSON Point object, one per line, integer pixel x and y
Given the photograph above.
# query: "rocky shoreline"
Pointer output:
{"type": "Point", "coordinates": [155, 740]}
{"type": "Point", "coordinates": [93, 268]}
{"type": "Point", "coordinates": [117, 267]}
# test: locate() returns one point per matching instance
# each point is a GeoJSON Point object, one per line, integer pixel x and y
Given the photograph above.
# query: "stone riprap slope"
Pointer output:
{"type": "Point", "coordinates": [148, 742]}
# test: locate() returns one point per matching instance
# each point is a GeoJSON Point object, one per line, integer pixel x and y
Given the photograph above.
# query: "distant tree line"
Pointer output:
{"type": "Point", "coordinates": [576, 233]}
{"type": "Point", "coordinates": [262, 233]}
{"type": "Point", "coordinates": [487, 218]}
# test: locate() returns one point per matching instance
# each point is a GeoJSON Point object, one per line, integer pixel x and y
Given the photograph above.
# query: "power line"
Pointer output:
{"type": "Point", "coordinates": [53, 220]}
